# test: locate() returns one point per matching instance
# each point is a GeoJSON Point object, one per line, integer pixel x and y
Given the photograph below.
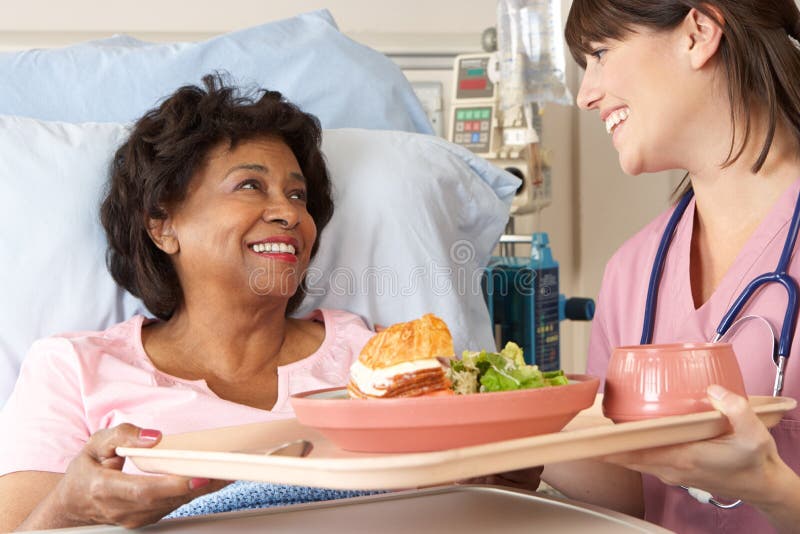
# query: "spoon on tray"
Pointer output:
{"type": "Point", "coordinates": [299, 448]}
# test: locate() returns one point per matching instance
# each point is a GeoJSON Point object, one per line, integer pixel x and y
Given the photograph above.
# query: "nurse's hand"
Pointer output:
{"type": "Point", "coordinates": [526, 479]}
{"type": "Point", "coordinates": [95, 491]}
{"type": "Point", "coordinates": [742, 464]}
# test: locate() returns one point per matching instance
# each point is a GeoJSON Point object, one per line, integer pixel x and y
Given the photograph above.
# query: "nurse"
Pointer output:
{"type": "Point", "coordinates": [712, 88]}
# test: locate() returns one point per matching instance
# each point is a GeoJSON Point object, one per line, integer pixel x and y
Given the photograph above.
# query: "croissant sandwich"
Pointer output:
{"type": "Point", "coordinates": [401, 361]}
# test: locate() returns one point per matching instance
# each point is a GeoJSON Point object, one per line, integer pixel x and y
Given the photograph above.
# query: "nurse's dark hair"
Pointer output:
{"type": "Point", "coordinates": [167, 146]}
{"type": "Point", "coordinates": [759, 52]}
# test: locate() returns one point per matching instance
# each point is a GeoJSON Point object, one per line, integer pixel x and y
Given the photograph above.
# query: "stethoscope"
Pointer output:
{"type": "Point", "coordinates": [779, 275]}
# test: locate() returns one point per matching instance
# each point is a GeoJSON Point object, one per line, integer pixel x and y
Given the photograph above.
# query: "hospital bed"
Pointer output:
{"type": "Point", "coordinates": [416, 217]}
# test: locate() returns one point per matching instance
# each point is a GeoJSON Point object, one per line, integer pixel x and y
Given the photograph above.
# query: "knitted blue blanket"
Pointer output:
{"type": "Point", "coordinates": [244, 495]}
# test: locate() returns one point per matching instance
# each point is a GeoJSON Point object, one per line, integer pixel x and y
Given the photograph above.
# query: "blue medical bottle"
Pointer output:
{"type": "Point", "coordinates": [544, 303]}
{"type": "Point", "coordinates": [525, 306]}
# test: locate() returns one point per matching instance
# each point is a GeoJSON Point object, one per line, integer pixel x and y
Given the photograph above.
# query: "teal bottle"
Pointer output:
{"type": "Point", "coordinates": [545, 304]}
{"type": "Point", "coordinates": [523, 301]}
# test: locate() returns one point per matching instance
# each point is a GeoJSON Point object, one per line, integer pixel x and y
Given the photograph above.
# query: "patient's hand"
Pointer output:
{"type": "Point", "coordinates": [94, 490]}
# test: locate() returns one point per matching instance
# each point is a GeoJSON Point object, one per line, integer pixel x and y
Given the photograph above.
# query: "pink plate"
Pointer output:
{"type": "Point", "coordinates": [416, 424]}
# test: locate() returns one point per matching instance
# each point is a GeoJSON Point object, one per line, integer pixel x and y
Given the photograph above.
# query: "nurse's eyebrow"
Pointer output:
{"type": "Point", "coordinates": [262, 169]}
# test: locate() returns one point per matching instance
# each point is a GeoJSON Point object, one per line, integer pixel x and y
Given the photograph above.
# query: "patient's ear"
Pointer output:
{"type": "Point", "coordinates": [162, 232]}
{"type": "Point", "coordinates": [703, 34]}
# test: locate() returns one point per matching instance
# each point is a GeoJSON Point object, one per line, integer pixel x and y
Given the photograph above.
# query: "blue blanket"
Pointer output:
{"type": "Point", "coordinates": [244, 495]}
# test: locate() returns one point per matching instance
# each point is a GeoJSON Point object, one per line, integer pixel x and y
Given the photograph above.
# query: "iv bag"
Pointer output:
{"type": "Point", "coordinates": [531, 53]}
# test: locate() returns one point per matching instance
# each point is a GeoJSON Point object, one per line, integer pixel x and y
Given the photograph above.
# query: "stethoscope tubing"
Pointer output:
{"type": "Point", "coordinates": [658, 267]}
{"type": "Point", "coordinates": [779, 275]}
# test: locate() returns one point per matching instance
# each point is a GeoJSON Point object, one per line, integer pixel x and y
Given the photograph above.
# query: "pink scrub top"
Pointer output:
{"type": "Point", "coordinates": [75, 384]}
{"type": "Point", "coordinates": [619, 318]}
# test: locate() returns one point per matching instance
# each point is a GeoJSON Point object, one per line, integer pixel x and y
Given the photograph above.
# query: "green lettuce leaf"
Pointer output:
{"type": "Point", "coordinates": [492, 380]}
{"type": "Point", "coordinates": [513, 352]}
{"type": "Point", "coordinates": [499, 371]}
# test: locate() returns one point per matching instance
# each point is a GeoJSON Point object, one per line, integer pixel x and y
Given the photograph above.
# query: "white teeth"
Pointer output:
{"type": "Point", "coordinates": [273, 247]}
{"type": "Point", "coordinates": [616, 117]}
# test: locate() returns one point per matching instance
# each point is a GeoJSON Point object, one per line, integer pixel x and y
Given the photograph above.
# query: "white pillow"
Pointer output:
{"type": "Point", "coordinates": [52, 252]}
{"type": "Point", "coordinates": [421, 211]}
{"type": "Point", "coordinates": [415, 221]}
{"type": "Point", "coordinates": [343, 83]}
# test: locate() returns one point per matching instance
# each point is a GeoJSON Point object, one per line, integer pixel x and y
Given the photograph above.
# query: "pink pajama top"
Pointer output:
{"type": "Point", "coordinates": [75, 384]}
{"type": "Point", "coordinates": [619, 318]}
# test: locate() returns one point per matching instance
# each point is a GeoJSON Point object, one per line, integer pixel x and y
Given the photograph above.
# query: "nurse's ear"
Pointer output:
{"type": "Point", "coordinates": [702, 34]}
{"type": "Point", "coordinates": [163, 234]}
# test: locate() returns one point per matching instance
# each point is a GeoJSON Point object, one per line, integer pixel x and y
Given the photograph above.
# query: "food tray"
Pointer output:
{"type": "Point", "coordinates": [205, 453]}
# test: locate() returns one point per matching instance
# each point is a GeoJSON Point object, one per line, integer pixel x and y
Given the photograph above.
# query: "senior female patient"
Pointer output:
{"type": "Point", "coordinates": [711, 87]}
{"type": "Point", "coordinates": [212, 213]}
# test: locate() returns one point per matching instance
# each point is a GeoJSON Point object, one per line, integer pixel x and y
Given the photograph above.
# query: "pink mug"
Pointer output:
{"type": "Point", "coordinates": [645, 381]}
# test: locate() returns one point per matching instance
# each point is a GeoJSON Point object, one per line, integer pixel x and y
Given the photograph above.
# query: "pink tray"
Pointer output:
{"type": "Point", "coordinates": [203, 454]}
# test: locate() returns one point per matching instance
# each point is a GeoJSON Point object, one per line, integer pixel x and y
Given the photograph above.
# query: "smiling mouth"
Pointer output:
{"type": "Point", "coordinates": [616, 118]}
{"type": "Point", "coordinates": [273, 248]}
{"type": "Point", "coordinates": [282, 252]}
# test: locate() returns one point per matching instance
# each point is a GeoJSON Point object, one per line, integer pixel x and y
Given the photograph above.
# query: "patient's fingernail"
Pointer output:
{"type": "Point", "coordinates": [148, 434]}
{"type": "Point", "coordinates": [198, 483]}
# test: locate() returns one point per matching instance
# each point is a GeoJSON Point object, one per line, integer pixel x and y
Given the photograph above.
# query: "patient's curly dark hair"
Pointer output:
{"type": "Point", "coordinates": [166, 147]}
